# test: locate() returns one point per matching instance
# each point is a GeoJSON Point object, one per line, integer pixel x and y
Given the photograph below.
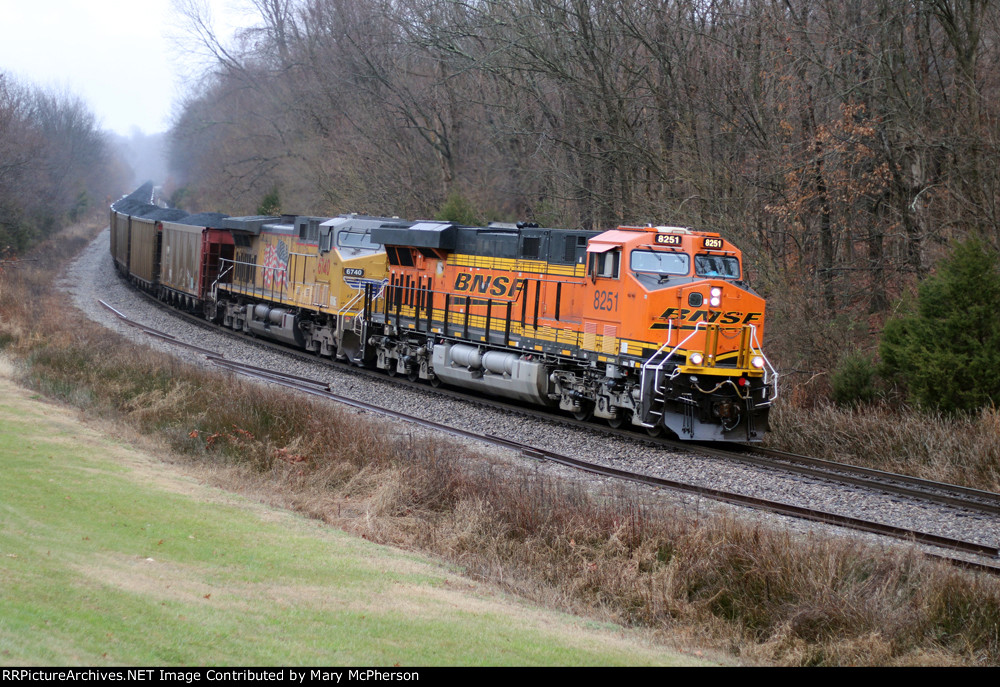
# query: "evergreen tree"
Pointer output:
{"type": "Point", "coordinates": [271, 204]}
{"type": "Point", "coordinates": [946, 350]}
{"type": "Point", "coordinates": [459, 210]}
{"type": "Point", "coordinates": [854, 381]}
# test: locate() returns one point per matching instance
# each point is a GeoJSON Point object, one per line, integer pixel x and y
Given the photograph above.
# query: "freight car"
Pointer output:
{"type": "Point", "coordinates": [194, 248]}
{"type": "Point", "coordinates": [166, 251]}
{"type": "Point", "coordinates": [650, 326]}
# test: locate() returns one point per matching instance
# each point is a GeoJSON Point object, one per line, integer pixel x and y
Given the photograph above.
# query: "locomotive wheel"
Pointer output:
{"type": "Point", "coordinates": [619, 420]}
{"type": "Point", "coordinates": [584, 414]}
{"type": "Point", "coordinates": [391, 370]}
{"type": "Point", "coordinates": [655, 431]}
{"type": "Point", "coordinates": [413, 376]}
{"type": "Point", "coordinates": [435, 381]}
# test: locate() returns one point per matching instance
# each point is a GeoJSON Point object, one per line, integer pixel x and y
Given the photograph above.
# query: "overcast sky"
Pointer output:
{"type": "Point", "coordinates": [120, 56]}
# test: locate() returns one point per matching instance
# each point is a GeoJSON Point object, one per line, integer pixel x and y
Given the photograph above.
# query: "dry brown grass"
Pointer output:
{"type": "Point", "coordinates": [762, 594]}
{"type": "Point", "coordinates": [964, 449]}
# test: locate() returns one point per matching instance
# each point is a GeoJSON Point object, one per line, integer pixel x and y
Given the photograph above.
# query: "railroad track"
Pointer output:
{"type": "Point", "coordinates": [985, 502]}
{"type": "Point", "coordinates": [950, 495]}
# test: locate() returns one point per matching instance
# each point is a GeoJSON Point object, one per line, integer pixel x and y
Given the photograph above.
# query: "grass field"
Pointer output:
{"type": "Point", "coordinates": [109, 557]}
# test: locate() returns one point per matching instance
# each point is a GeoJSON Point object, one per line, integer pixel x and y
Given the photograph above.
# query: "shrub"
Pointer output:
{"type": "Point", "coordinates": [945, 348]}
{"type": "Point", "coordinates": [270, 204]}
{"type": "Point", "coordinates": [460, 210]}
{"type": "Point", "coordinates": [854, 381]}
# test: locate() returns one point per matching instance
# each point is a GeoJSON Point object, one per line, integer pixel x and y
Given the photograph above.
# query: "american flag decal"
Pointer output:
{"type": "Point", "coordinates": [275, 265]}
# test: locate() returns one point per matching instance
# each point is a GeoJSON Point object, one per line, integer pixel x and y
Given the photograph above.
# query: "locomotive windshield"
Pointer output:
{"type": "Point", "coordinates": [356, 239]}
{"type": "Point", "coordinates": [660, 262]}
{"type": "Point", "coordinates": [721, 266]}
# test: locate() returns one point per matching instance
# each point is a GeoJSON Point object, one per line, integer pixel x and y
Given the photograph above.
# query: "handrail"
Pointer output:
{"type": "Point", "coordinates": [760, 352]}
{"type": "Point", "coordinates": [218, 278]}
{"type": "Point", "coordinates": [659, 366]}
{"type": "Point", "coordinates": [770, 373]}
{"type": "Point", "coordinates": [360, 288]}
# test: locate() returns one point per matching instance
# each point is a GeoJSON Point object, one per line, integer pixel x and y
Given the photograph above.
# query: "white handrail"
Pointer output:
{"type": "Point", "coordinates": [645, 365]}
{"type": "Point", "coordinates": [215, 284]}
{"type": "Point", "coordinates": [774, 373]}
{"type": "Point", "coordinates": [360, 288]}
{"type": "Point", "coordinates": [770, 374]}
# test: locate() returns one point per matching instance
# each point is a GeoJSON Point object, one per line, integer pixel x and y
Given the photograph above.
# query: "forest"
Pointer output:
{"type": "Point", "coordinates": [843, 145]}
{"type": "Point", "coordinates": [55, 163]}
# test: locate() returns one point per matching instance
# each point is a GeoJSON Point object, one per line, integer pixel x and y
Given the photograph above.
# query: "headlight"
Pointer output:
{"type": "Point", "coordinates": [696, 359]}
{"type": "Point", "coordinates": [758, 362]}
{"type": "Point", "coordinates": [716, 299]}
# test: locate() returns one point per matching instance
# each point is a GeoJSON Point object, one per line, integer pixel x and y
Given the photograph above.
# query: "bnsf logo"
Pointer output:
{"type": "Point", "coordinates": [487, 284]}
{"type": "Point", "coordinates": [709, 317]}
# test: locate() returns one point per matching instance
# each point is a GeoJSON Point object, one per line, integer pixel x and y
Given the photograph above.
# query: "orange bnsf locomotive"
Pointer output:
{"type": "Point", "coordinates": [652, 326]}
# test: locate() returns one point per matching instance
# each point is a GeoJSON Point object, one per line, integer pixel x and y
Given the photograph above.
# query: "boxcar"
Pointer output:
{"type": "Point", "coordinates": [136, 203]}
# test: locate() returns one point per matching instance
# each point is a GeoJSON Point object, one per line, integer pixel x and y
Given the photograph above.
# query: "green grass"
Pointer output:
{"type": "Point", "coordinates": [103, 560]}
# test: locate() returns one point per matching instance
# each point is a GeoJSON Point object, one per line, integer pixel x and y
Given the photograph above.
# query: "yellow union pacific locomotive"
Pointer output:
{"type": "Point", "coordinates": [301, 279]}
{"type": "Point", "coordinates": [653, 326]}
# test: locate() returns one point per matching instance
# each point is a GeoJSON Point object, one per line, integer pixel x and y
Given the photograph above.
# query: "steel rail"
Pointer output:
{"type": "Point", "coordinates": [158, 334]}
{"type": "Point", "coordinates": [986, 501]}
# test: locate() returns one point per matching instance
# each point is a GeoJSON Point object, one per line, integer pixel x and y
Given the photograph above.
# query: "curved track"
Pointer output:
{"type": "Point", "coordinates": [907, 486]}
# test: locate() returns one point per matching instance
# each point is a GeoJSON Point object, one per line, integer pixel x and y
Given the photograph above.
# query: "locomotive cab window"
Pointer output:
{"type": "Point", "coordinates": [359, 240]}
{"type": "Point", "coordinates": [325, 239]}
{"type": "Point", "coordinates": [719, 266]}
{"type": "Point", "coordinates": [606, 264]}
{"type": "Point", "coordinates": [660, 262]}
